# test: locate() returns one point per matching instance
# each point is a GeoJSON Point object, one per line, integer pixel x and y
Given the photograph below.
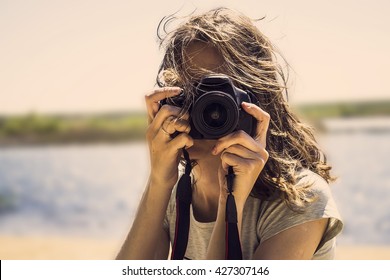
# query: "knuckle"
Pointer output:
{"type": "Point", "coordinates": [169, 109]}
{"type": "Point", "coordinates": [185, 140]}
{"type": "Point", "coordinates": [267, 116]}
{"type": "Point", "coordinates": [262, 162]}
{"type": "Point", "coordinates": [188, 128]}
{"type": "Point", "coordinates": [182, 126]}
{"type": "Point", "coordinates": [183, 117]}
{"type": "Point", "coordinates": [164, 108]}
{"type": "Point", "coordinates": [183, 137]}
{"type": "Point", "coordinates": [176, 119]}
{"type": "Point", "coordinates": [264, 154]}
{"type": "Point", "coordinates": [241, 134]}
{"type": "Point", "coordinates": [186, 137]}
{"type": "Point", "coordinates": [263, 158]}
{"type": "Point", "coordinates": [225, 155]}
{"type": "Point", "coordinates": [170, 120]}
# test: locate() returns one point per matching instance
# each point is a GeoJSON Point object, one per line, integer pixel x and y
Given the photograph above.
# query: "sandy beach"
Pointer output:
{"type": "Point", "coordinates": [57, 248]}
{"type": "Point", "coordinates": [65, 248]}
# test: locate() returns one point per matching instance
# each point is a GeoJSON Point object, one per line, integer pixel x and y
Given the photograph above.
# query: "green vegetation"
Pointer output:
{"type": "Point", "coordinates": [38, 129]}
{"type": "Point", "coordinates": [41, 129]}
{"type": "Point", "coordinates": [342, 109]}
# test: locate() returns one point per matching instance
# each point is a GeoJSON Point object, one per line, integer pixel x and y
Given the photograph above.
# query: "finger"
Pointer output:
{"type": "Point", "coordinates": [261, 156]}
{"type": "Point", "coordinates": [163, 134]}
{"type": "Point", "coordinates": [182, 140]}
{"type": "Point", "coordinates": [238, 137]}
{"type": "Point", "coordinates": [225, 167]}
{"type": "Point", "coordinates": [176, 125]}
{"type": "Point", "coordinates": [262, 118]}
{"type": "Point", "coordinates": [243, 164]}
{"type": "Point", "coordinates": [232, 160]}
{"type": "Point", "coordinates": [172, 125]}
{"type": "Point", "coordinates": [165, 112]}
{"type": "Point", "coordinates": [241, 151]}
{"type": "Point", "coordinates": [152, 99]}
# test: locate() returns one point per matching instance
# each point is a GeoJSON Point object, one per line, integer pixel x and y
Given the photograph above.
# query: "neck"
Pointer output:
{"type": "Point", "coordinates": [205, 195]}
{"type": "Point", "coordinates": [206, 174]}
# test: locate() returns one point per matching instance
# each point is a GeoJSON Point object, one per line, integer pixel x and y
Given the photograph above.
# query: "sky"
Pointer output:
{"type": "Point", "coordinates": [98, 56]}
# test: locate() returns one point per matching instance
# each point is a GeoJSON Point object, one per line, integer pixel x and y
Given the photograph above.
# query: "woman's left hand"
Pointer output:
{"type": "Point", "coordinates": [245, 154]}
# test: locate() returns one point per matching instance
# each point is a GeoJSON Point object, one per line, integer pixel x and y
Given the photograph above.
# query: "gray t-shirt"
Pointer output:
{"type": "Point", "coordinates": [264, 219]}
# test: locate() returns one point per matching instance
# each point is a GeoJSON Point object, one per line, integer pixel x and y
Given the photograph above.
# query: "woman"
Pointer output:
{"type": "Point", "coordinates": [285, 209]}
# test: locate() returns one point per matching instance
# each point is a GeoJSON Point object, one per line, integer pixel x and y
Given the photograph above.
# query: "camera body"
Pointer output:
{"type": "Point", "coordinates": [216, 110]}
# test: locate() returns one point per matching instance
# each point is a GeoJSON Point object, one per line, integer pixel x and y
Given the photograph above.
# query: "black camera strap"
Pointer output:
{"type": "Point", "coordinates": [232, 238]}
{"type": "Point", "coordinates": [183, 204]}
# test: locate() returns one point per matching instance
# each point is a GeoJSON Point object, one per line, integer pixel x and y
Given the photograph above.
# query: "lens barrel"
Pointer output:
{"type": "Point", "coordinates": [215, 114]}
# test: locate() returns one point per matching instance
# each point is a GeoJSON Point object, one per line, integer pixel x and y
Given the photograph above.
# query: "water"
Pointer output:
{"type": "Point", "coordinates": [360, 158]}
{"type": "Point", "coordinates": [93, 190]}
{"type": "Point", "coordinates": [79, 190]}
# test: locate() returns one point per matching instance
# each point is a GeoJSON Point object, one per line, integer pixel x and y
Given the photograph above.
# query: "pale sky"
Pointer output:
{"type": "Point", "coordinates": [94, 55]}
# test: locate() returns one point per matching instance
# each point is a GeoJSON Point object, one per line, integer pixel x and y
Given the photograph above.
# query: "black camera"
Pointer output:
{"type": "Point", "coordinates": [216, 110]}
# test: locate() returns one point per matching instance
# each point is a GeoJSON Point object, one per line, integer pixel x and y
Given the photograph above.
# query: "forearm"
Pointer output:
{"type": "Point", "coordinates": [145, 233]}
{"type": "Point", "coordinates": [216, 248]}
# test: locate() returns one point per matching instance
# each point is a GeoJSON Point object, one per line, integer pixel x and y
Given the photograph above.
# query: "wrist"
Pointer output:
{"type": "Point", "coordinates": [163, 178]}
{"type": "Point", "coordinates": [156, 184]}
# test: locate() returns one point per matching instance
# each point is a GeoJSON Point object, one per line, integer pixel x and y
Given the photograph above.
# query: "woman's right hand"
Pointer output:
{"type": "Point", "coordinates": [165, 151]}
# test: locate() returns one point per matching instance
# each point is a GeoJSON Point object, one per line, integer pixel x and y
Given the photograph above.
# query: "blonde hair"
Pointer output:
{"type": "Point", "coordinates": [250, 60]}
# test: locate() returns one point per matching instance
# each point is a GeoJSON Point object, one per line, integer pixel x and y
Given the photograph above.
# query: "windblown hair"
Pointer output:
{"type": "Point", "coordinates": [250, 60]}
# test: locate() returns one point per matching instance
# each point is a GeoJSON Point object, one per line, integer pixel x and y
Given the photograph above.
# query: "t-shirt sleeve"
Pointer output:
{"type": "Point", "coordinates": [277, 216]}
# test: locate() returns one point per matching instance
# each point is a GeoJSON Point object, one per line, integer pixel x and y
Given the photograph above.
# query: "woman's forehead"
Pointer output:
{"type": "Point", "coordinates": [201, 56]}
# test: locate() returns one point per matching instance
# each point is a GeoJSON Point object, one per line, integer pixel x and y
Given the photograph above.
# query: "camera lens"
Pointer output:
{"type": "Point", "coordinates": [215, 114]}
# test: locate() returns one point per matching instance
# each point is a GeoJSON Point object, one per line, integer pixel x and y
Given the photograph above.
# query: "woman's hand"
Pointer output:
{"type": "Point", "coordinates": [245, 154]}
{"type": "Point", "coordinates": [165, 151]}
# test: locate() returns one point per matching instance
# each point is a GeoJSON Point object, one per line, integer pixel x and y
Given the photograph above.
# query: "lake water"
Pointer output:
{"type": "Point", "coordinates": [93, 190]}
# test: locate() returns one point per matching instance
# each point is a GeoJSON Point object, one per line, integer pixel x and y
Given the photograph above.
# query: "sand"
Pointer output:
{"type": "Point", "coordinates": [57, 248]}
{"type": "Point", "coordinates": [65, 248]}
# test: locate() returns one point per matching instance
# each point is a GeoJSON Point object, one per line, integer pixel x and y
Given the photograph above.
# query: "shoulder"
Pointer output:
{"type": "Point", "coordinates": [276, 216]}
{"type": "Point", "coordinates": [317, 184]}
{"type": "Point", "coordinates": [319, 190]}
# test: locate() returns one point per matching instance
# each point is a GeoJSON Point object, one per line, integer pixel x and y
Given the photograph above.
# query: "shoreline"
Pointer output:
{"type": "Point", "coordinates": [79, 248]}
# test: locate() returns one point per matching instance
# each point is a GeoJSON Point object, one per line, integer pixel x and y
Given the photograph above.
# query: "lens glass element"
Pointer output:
{"type": "Point", "coordinates": [215, 114]}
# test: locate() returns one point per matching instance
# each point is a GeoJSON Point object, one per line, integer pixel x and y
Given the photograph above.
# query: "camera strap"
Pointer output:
{"type": "Point", "coordinates": [183, 204]}
{"type": "Point", "coordinates": [232, 238]}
